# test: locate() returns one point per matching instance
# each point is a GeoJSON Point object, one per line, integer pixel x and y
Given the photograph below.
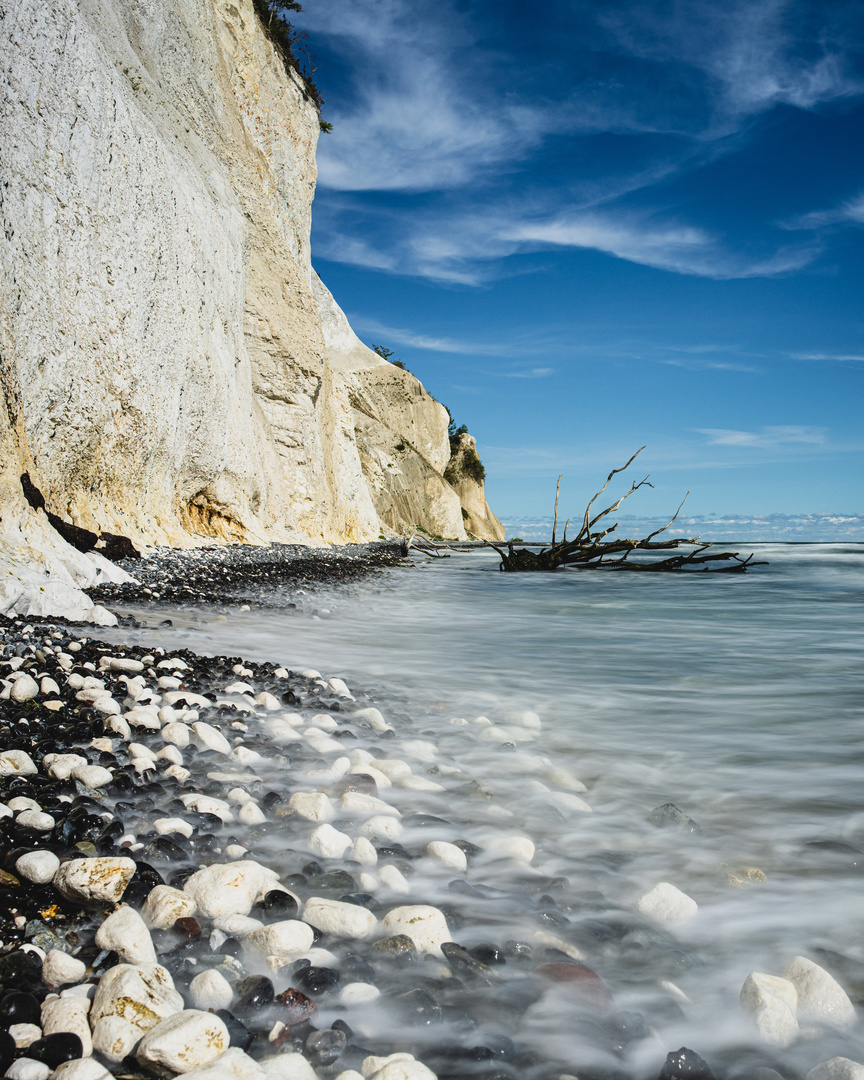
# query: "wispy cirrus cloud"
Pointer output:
{"type": "Point", "coordinates": [400, 336]}
{"type": "Point", "coordinates": [840, 357]}
{"type": "Point", "coordinates": [848, 212]}
{"type": "Point", "coordinates": [768, 438]}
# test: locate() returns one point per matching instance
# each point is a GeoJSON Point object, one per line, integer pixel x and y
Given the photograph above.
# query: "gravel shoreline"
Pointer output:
{"type": "Point", "coordinates": [221, 869]}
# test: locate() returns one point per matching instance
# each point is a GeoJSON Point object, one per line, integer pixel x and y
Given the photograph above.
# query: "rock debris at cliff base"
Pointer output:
{"type": "Point", "coordinates": [227, 870]}
{"type": "Point", "coordinates": [242, 573]}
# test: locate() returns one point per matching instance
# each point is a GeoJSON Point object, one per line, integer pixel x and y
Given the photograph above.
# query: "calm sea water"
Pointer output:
{"type": "Point", "coordinates": [738, 698]}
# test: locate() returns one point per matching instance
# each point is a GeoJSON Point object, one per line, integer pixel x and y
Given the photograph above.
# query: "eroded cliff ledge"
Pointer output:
{"type": "Point", "coordinates": [173, 370]}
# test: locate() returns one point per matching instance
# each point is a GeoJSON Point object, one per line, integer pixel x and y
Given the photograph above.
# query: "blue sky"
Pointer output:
{"type": "Point", "coordinates": [589, 225]}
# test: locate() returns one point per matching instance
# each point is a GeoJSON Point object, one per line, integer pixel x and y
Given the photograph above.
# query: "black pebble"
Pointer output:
{"type": "Point", "coordinates": [21, 970]}
{"type": "Point", "coordinates": [18, 1008]}
{"type": "Point", "coordinates": [279, 905]}
{"type": "Point", "coordinates": [316, 981]}
{"type": "Point", "coordinates": [252, 994]}
{"type": "Point", "coordinates": [323, 1048]}
{"type": "Point", "coordinates": [669, 816]}
{"type": "Point", "coordinates": [419, 1008]}
{"type": "Point", "coordinates": [54, 1049]}
{"type": "Point", "coordinates": [685, 1064]}
{"type": "Point", "coordinates": [7, 1050]}
{"type": "Point", "coordinates": [238, 1034]}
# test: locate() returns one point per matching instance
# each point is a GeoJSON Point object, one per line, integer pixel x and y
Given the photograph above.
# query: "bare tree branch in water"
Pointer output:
{"type": "Point", "coordinates": [591, 550]}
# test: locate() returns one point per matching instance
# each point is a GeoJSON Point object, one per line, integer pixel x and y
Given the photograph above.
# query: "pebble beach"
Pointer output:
{"type": "Point", "coordinates": [221, 868]}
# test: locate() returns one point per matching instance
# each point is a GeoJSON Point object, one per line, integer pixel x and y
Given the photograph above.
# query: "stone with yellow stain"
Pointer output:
{"type": "Point", "coordinates": [187, 1040]}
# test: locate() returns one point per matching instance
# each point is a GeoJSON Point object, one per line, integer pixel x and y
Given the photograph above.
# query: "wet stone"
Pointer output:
{"type": "Point", "coordinates": [296, 1007]}
{"type": "Point", "coordinates": [21, 971]}
{"type": "Point", "coordinates": [324, 1048]}
{"type": "Point", "coordinates": [418, 1008]}
{"type": "Point", "coordinates": [54, 1049]}
{"type": "Point", "coordinates": [488, 953]}
{"type": "Point", "coordinates": [20, 1008]}
{"type": "Point", "coordinates": [238, 1034]}
{"type": "Point", "coordinates": [336, 881]}
{"type": "Point", "coordinates": [252, 994]}
{"type": "Point", "coordinates": [685, 1064]}
{"type": "Point", "coordinates": [316, 981]}
{"type": "Point", "coordinates": [397, 947]}
{"type": "Point", "coordinates": [464, 965]}
{"type": "Point", "coordinates": [277, 904]}
{"type": "Point", "coordinates": [668, 816]}
{"type": "Point", "coordinates": [584, 981]}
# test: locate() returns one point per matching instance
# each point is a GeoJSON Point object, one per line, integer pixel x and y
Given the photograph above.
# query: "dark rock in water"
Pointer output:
{"type": "Point", "coordinates": [336, 881]}
{"type": "Point", "coordinates": [21, 971]}
{"type": "Point", "coordinates": [685, 1064]}
{"type": "Point", "coordinates": [425, 821]}
{"type": "Point", "coordinates": [361, 899]}
{"type": "Point", "coordinates": [296, 1007]}
{"type": "Point", "coordinates": [323, 1048]}
{"type": "Point", "coordinates": [487, 953]}
{"type": "Point", "coordinates": [668, 816]}
{"type": "Point", "coordinates": [519, 950]}
{"type": "Point", "coordinates": [187, 928]}
{"type": "Point", "coordinates": [355, 969]}
{"type": "Point", "coordinates": [238, 1034]}
{"type": "Point", "coordinates": [7, 1050]}
{"type": "Point", "coordinates": [316, 981]}
{"type": "Point", "coordinates": [53, 1050]}
{"type": "Point", "coordinates": [846, 853]}
{"type": "Point", "coordinates": [278, 905]}
{"type": "Point", "coordinates": [468, 849]}
{"type": "Point", "coordinates": [397, 947]}
{"type": "Point", "coordinates": [463, 963]}
{"type": "Point", "coordinates": [19, 1008]}
{"type": "Point", "coordinates": [394, 851]}
{"type": "Point", "coordinates": [361, 782]}
{"type": "Point", "coordinates": [252, 995]}
{"type": "Point", "coordinates": [313, 869]}
{"type": "Point", "coordinates": [585, 982]}
{"type": "Point", "coordinates": [419, 1008]}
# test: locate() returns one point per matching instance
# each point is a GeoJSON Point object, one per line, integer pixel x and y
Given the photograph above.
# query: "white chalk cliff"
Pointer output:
{"type": "Point", "coordinates": [172, 368]}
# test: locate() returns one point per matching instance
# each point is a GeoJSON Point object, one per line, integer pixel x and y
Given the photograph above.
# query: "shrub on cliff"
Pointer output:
{"type": "Point", "coordinates": [288, 41]}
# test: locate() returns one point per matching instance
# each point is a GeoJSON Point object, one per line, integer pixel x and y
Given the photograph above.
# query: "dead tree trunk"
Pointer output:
{"type": "Point", "coordinates": [591, 550]}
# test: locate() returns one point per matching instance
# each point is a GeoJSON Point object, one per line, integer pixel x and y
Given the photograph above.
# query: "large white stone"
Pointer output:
{"type": "Point", "coordinates": [228, 888]}
{"type": "Point", "coordinates": [81, 1069]}
{"type": "Point", "coordinates": [24, 688]}
{"type": "Point", "coordinates": [667, 905]}
{"type": "Point", "coordinates": [17, 763]}
{"type": "Point", "coordinates": [288, 1067]}
{"type": "Point", "coordinates": [382, 827]}
{"type": "Point", "coordinates": [92, 880]}
{"type": "Point", "coordinates": [60, 969]}
{"type": "Point", "coordinates": [25, 1034]}
{"type": "Point", "coordinates": [820, 996]}
{"type": "Point", "coordinates": [312, 805]}
{"type": "Point", "coordinates": [771, 1003]}
{"type": "Point", "coordinates": [838, 1068]}
{"type": "Point", "coordinates": [128, 1002]}
{"type": "Point", "coordinates": [25, 1068]}
{"type": "Point", "coordinates": [512, 847]}
{"type": "Point", "coordinates": [165, 905]}
{"type": "Point", "coordinates": [340, 919]}
{"type": "Point", "coordinates": [425, 925]}
{"type": "Point", "coordinates": [290, 937]}
{"type": "Point", "coordinates": [329, 842]}
{"type": "Point", "coordinates": [448, 855]}
{"type": "Point", "coordinates": [363, 852]}
{"type": "Point", "coordinates": [126, 933]}
{"type": "Point", "coordinates": [211, 739]}
{"type": "Point", "coordinates": [234, 1064]}
{"type": "Point", "coordinates": [211, 990]}
{"type": "Point", "coordinates": [60, 766]}
{"type": "Point", "coordinates": [187, 1040]}
{"type": "Point", "coordinates": [358, 803]}
{"type": "Point", "coordinates": [35, 819]}
{"type": "Point", "coordinates": [68, 1014]}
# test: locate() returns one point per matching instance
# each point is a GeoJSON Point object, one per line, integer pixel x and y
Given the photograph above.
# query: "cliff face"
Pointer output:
{"type": "Point", "coordinates": [465, 475]}
{"type": "Point", "coordinates": [172, 368]}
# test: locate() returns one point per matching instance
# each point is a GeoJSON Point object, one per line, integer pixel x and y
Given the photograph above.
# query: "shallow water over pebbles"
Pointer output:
{"type": "Point", "coordinates": [739, 699]}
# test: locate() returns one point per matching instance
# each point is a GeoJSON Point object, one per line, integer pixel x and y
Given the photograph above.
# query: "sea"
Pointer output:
{"type": "Point", "coordinates": [739, 698]}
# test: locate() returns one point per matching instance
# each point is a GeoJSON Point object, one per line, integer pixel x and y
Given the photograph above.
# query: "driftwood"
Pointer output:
{"type": "Point", "coordinates": [591, 550]}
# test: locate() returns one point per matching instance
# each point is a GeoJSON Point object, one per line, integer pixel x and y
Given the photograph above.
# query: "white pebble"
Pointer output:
{"type": "Point", "coordinates": [24, 688]}
{"type": "Point", "coordinates": [514, 847]}
{"type": "Point", "coordinates": [17, 763]}
{"type": "Point", "coordinates": [290, 937]}
{"type": "Point", "coordinates": [34, 819]}
{"type": "Point", "coordinates": [340, 919]}
{"type": "Point", "coordinates": [358, 993]}
{"type": "Point", "coordinates": [59, 968]}
{"type": "Point", "coordinates": [211, 990]}
{"type": "Point", "coordinates": [340, 688]}
{"type": "Point", "coordinates": [425, 925]}
{"type": "Point", "coordinates": [123, 664]}
{"type": "Point", "coordinates": [170, 753]}
{"type": "Point", "coordinates": [38, 866]}
{"type": "Point", "coordinates": [363, 852]}
{"type": "Point", "coordinates": [211, 739]}
{"type": "Point", "coordinates": [182, 1042]}
{"type": "Point", "coordinates": [228, 889]}
{"type": "Point", "coordinates": [667, 905]}
{"type": "Point", "coordinates": [820, 996]}
{"type": "Point", "coordinates": [838, 1068]}
{"type": "Point", "coordinates": [95, 879]}
{"type": "Point", "coordinates": [25, 1034]}
{"type": "Point", "coordinates": [268, 701]}
{"type": "Point", "coordinates": [329, 842]}
{"type": "Point", "coordinates": [447, 854]}
{"type": "Point", "coordinates": [60, 766]}
{"type": "Point", "coordinates": [81, 1069]}
{"type": "Point", "coordinates": [165, 905]}
{"type": "Point", "coordinates": [68, 1014]}
{"type": "Point", "coordinates": [771, 1003]}
{"type": "Point", "coordinates": [382, 827]}
{"type": "Point", "coordinates": [92, 776]}
{"type": "Point", "coordinates": [126, 933]}
{"type": "Point", "coordinates": [28, 1069]}
{"type": "Point", "coordinates": [130, 1000]}
{"type": "Point", "coordinates": [48, 686]}
{"type": "Point", "coordinates": [393, 879]}
{"type": "Point", "coordinates": [167, 825]}
{"type": "Point", "coordinates": [237, 926]}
